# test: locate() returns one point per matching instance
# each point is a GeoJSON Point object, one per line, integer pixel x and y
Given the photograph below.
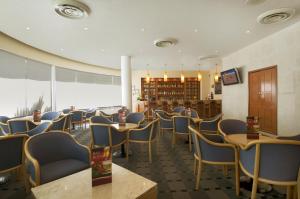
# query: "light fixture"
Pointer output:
{"type": "Point", "coordinates": [71, 9]}
{"type": "Point", "coordinates": [165, 42]}
{"type": "Point", "coordinates": [199, 76]}
{"type": "Point", "coordinates": [85, 28]}
{"type": "Point", "coordinates": [196, 30]}
{"type": "Point", "coordinates": [181, 76]}
{"type": "Point", "coordinates": [216, 74]}
{"type": "Point", "coordinates": [247, 31]}
{"type": "Point", "coordinates": [148, 75]}
{"type": "Point", "coordinates": [143, 29]}
{"type": "Point", "coordinates": [62, 49]}
{"type": "Point", "coordinates": [165, 75]}
{"type": "Point", "coordinates": [27, 28]}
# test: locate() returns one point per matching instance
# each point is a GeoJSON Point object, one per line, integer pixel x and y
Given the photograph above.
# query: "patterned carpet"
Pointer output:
{"type": "Point", "coordinates": [171, 168]}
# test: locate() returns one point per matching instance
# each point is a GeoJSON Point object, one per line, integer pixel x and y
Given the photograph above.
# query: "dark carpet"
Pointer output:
{"type": "Point", "coordinates": [171, 168]}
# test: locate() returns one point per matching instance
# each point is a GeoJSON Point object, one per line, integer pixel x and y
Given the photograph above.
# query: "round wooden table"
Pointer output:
{"type": "Point", "coordinates": [242, 140]}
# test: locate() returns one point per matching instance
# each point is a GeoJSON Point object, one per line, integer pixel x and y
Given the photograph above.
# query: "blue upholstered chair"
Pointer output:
{"type": "Point", "coordinates": [106, 115]}
{"type": "Point", "coordinates": [115, 117]}
{"type": "Point", "coordinates": [12, 153]}
{"type": "Point", "coordinates": [106, 135]}
{"type": "Point", "coordinates": [232, 126]}
{"type": "Point", "coordinates": [20, 126]}
{"type": "Point", "coordinates": [180, 127]}
{"type": "Point", "coordinates": [50, 115]}
{"type": "Point", "coordinates": [66, 111]}
{"type": "Point", "coordinates": [88, 115]}
{"type": "Point", "coordinates": [76, 117]}
{"type": "Point", "coordinates": [210, 126]}
{"type": "Point", "coordinates": [164, 114]}
{"type": "Point", "coordinates": [136, 118]}
{"type": "Point", "coordinates": [4, 119]}
{"type": "Point", "coordinates": [271, 161]}
{"type": "Point", "coordinates": [54, 155]}
{"type": "Point", "coordinates": [41, 128]}
{"type": "Point", "coordinates": [178, 109]}
{"type": "Point", "coordinates": [4, 130]}
{"type": "Point", "coordinates": [101, 119]}
{"type": "Point", "coordinates": [194, 113]}
{"type": "Point", "coordinates": [165, 123]}
{"type": "Point", "coordinates": [59, 124]}
{"type": "Point", "coordinates": [210, 149]}
{"type": "Point", "coordinates": [145, 135]}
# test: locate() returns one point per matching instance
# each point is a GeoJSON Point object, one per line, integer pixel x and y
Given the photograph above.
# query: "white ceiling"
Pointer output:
{"type": "Point", "coordinates": [114, 29]}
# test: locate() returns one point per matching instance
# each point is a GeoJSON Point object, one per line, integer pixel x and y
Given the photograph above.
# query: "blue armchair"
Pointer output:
{"type": "Point", "coordinates": [165, 123]}
{"type": "Point", "coordinates": [88, 115]}
{"type": "Point", "coordinates": [232, 126]}
{"type": "Point", "coordinates": [50, 115]}
{"type": "Point", "coordinates": [210, 126]}
{"type": "Point", "coordinates": [66, 111]}
{"type": "Point", "coordinates": [271, 161]}
{"type": "Point", "coordinates": [101, 119]}
{"type": "Point", "coordinates": [54, 155]}
{"type": "Point", "coordinates": [145, 135]}
{"type": "Point", "coordinates": [115, 117]}
{"type": "Point", "coordinates": [76, 117]}
{"type": "Point", "coordinates": [106, 115]}
{"type": "Point", "coordinates": [4, 119]}
{"type": "Point", "coordinates": [178, 109]}
{"type": "Point", "coordinates": [106, 135]}
{"type": "Point", "coordinates": [136, 118]}
{"type": "Point", "coordinates": [20, 126]}
{"type": "Point", "coordinates": [181, 127]}
{"type": "Point", "coordinates": [3, 129]}
{"type": "Point", "coordinates": [12, 153]}
{"type": "Point", "coordinates": [59, 124]}
{"type": "Point", "coordinates": [210, 149]}
{"type": "Point", "coordinates": [41, 128]}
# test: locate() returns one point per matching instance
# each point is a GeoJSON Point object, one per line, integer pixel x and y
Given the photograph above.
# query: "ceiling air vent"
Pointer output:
{"type": "Point", "coordinates": [275, 16]}
{"type": "Point", "coordinates": [162, 43]}
{"type": "Point", "coordinates": [71, 9]}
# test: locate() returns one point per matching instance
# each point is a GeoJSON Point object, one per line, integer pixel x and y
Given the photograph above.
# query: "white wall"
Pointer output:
{"type": "Point", "coordinates": [281, 49]}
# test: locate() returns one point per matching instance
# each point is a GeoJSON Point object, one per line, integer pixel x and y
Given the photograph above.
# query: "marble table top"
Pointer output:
{"type": "Point", "coordinates": [125, 184]}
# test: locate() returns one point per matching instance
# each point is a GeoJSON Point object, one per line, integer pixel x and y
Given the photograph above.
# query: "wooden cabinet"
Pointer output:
{"type": "Point", "coordinates": [173, 89]}
{"type": "Point", "coordinates": [263, 98]}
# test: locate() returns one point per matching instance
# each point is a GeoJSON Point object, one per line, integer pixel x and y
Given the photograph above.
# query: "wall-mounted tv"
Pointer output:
{"type": "Point", "coordinates": [230, 77]}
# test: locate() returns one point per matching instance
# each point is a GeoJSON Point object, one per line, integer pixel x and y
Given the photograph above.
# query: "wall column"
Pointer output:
{"type": "Point", "coordinates": [126, 82]}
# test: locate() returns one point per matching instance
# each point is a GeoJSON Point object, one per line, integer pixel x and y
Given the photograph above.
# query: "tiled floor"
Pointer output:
{"type": "Point", "coordinates": [172, 169]}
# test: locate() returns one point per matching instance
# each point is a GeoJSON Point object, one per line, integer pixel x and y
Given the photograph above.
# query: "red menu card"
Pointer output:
{"type": "Point", "coordinates": [101, 166]}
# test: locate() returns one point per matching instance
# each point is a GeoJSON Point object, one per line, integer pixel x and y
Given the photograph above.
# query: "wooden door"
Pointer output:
{"type": "Point", "coordinates": [263, 97]}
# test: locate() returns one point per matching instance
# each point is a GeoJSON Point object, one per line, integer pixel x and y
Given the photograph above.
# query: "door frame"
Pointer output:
{"type": "Point", "coordinates": [261, 69]}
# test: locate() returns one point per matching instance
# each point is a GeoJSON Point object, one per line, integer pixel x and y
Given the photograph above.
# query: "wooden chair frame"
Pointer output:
{"type": "Point", "coordinates": [179, 133]}
{"type": "Point", "coordinates": [211, 121]}
{"type": "Point", "coordinates": [36, 164]}
{"type": "Point", "coordinates": [161, 130]}
{"type": "Point", "coordinates": [290, 184]}
{"type": "Point", "coordinates": [198, 160]}
{"type": "Point", "coordinates": [78, 122]}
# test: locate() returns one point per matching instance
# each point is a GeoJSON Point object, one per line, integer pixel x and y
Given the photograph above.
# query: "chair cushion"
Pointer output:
{"type": "Point", "coordinates": [62, 168]}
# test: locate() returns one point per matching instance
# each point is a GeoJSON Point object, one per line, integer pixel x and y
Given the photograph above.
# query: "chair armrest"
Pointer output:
{"type": "Point", "coordinates": [82, 152]}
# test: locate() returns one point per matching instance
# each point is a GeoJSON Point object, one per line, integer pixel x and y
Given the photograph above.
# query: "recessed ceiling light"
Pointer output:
{"type": "Point", "coordinates": [62, 49]}
{"type": "Point", "coordinates": [27, 28]}
{"type": "Point", "coordinates": [179, 51]}
{"type": "Point", "coordinates": [102, 50]}
{"type": "Point", "coordinates": [25, 61]}
{"type": "Point", "coordinates": [85, 28]}
{"type": "Point", "coordinates": [196, 30]}
{"type": "Point", "coordinates": [247, 31]}
{"type": "Point", "coordinates": [217, 51]}
{"type": "Point", "coordinates": [143, 29]}
{"type": "Point", "coordinates": [71, 9]}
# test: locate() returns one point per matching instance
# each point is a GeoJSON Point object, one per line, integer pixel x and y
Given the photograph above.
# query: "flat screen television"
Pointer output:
{"type": "Point", "coordinates": [230, 77]}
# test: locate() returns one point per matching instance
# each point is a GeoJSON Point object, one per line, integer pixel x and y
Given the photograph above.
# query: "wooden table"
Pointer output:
{"type": "Point", "coordinates": [125, 185]}
{"type": "Point", "coordinates": [30, 118]}
{"type": "Point", "coordinates": [123, 129]}
{"type": "Point", "coordinates": [241, 139]}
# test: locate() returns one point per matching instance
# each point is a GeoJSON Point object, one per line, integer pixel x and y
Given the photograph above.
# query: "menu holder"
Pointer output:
{"type": "Point", "coordinates": [101, 166]}
{"type": "Point", "coordinates": [251, 132]}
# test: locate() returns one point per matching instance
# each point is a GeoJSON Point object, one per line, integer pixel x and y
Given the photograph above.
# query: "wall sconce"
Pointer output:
{"type": "Point", "coordinates": [165, 77]}
{"type": "Point", "coordinates": [199, 76]}
{"type": "Point", "coordinates": [182, 78]}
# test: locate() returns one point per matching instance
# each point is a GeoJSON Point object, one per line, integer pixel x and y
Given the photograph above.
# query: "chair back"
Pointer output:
{"type": "Point", "coordinates": [59, 124]}
{"type": "Point", "coordinates": [4, 119]}
{"type": "Point", "coordinates": [278, 160]}
{"type": "Point", "coordinates": [76, 116]}
{"type": "Point", "coordinates": [195, 141]}
{"type": "Point", "coordinates": [178, 109]}
{"type": "Point", "coordinates": [18, 126]}
{"type": "Point", "coordinates": [90, 114]}
{"type": "Point", "coordinates": [181, 124]}
{"type": "Point", "coordinates": [232, 126]}
{"type": "Point", "coordinates": [43, 127]}
{"type": "Point", "coordinates": [101, 119]}
{"type": "Point", "coordinates": [115, 117]}
{"type": "Point", "coordinates": [3, 129]}
{"type": "Point", "coordinates": [11, 151]}
{"type": "Point", "coordinates": [154, 129]}
{"type": "Point", "coordinates": [51, 147]}
{"type": "Point", "coordinates": [66, 111]}
{"type": "Point", "coordinates": [50, 115]}
{"type": "Point", "coordinates": [210, 125]}
{"type": "Point", "coordinates": [135, 118]}
{"type": "Point", "coordinates": [106, 135]}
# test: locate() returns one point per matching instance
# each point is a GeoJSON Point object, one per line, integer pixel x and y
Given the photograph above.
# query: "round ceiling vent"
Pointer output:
{"type": "Point", "coordinates": [163, 43]}
{"type": "Point", "coordinates": [71, 9]}
{"type": "Point", "coordinates": [275, 16]}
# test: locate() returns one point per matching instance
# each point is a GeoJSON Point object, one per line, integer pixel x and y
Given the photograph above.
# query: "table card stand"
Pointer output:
{"type": "Point", "coordinates": [251, 133]}
{"type": "Point", "coordinates": [122, 118]}
{"type": "Point", "coordinates": [101, 166]}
